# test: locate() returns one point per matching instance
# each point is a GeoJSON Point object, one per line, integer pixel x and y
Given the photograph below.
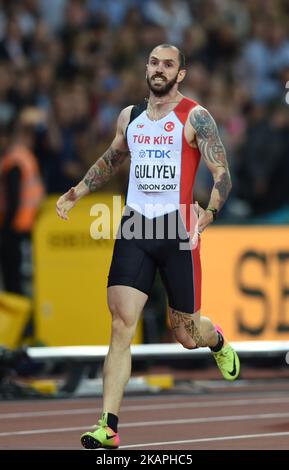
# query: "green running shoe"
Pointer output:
{"type": "Point", "coordinates": [103, 436]}
{"type": "Point", "coordinates": [227, 360]}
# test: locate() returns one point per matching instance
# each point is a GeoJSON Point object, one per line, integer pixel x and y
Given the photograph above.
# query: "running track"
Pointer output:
{"type": "Point", "coordinates": [225, 418]}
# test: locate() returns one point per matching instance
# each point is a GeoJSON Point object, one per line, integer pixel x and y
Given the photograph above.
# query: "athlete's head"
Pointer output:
{"type": "Point", "coordinates": [165, 69]}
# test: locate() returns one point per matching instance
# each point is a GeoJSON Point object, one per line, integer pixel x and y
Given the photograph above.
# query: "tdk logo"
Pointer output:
{"type": "Point", "coordinates": [155, 153]}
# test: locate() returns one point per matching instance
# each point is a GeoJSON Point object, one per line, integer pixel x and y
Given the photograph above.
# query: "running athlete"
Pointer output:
{"type": "Point", "coordinates": [164, 138]}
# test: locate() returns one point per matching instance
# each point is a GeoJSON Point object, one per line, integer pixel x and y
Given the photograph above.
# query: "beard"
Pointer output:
{"type": "Point", "coordinates": [164, 89]}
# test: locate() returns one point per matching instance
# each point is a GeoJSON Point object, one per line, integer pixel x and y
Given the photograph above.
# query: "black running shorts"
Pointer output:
{"type": "Point", "coordinates": [139, 253]}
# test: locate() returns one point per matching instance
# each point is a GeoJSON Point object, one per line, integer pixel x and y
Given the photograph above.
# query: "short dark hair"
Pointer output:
{"type": "Point", "coordinates": [182, 58]}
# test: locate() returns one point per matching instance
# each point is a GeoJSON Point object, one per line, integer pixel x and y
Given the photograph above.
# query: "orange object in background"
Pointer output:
{"type": "Point", "coordinates": [32, 189]}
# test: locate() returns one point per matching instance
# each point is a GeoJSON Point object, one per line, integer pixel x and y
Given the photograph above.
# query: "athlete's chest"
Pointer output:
{"type": "Point", "coordinates": [155, 140]}
{"type": "Point", "coordinates": [156, 153]}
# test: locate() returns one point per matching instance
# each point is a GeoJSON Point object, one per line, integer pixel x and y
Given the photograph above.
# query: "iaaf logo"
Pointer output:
{"type": "Point", "coordinates": [169, 126]}
{"type": "Point", "coordinates": [140, 126]}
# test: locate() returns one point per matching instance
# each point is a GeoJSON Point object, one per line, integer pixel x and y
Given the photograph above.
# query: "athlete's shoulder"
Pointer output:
{"type": "Point", "coordinates": [190, 100]}
{"type": "Point", "coordinates": [188, 104]}
{"type": "Point", "coordinates": [125, 112]}
{"type": "Point", "coordinates": [200, 115]}
{"type": "Point", "coordinates": [124, 118]}
{"type": "Point", "coordinates": [184, 108]}
{"type": "Point", "coordinates": [202, 123]}
{"type": "Point", "coordinates": [135, 110]}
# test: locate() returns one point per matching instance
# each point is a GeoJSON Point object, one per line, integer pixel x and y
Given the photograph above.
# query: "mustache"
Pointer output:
{"type": "Point", "coordinates": [158, 75]}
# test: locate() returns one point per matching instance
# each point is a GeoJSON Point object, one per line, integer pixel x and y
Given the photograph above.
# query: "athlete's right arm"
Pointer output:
{"type": "Point", "coordinates": [102, 170]}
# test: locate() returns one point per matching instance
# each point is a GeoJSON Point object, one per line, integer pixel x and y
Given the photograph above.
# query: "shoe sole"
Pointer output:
{"type": "Point", "coordinates": [90, 442]}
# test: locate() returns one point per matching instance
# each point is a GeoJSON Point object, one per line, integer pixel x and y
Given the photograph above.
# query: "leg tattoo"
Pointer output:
{"type": "Point", "coordinates": [186, 320]}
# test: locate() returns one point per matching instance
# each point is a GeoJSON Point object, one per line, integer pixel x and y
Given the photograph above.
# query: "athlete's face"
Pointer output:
{"type": "Point", "coordinates": [163, 70]}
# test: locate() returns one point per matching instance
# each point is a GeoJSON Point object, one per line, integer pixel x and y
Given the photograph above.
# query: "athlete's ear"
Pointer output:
{"type": "Point", "coordinates": [181, 75]}
{"type": "Point", "coordinates": [146, 71]}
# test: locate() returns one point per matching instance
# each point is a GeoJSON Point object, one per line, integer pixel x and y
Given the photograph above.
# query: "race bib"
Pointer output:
{"type": "Point", "coordinates": [157, 175]}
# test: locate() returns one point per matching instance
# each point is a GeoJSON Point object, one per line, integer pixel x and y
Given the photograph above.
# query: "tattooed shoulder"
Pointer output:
{"type": "Point", "coordinates": [203, 123]}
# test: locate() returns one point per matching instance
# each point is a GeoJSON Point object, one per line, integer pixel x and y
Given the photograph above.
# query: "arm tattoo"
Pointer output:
{"type": "Point", "coordinates": [180, 319]}
{"type": "Point", "coordinates": [208, 138]}
{"type": "Point", "coordinates": [104, 168]}
{"type": "Point", "coordinates": [212, 150]}
{"type": "Point", "coordinates": [223, 185]}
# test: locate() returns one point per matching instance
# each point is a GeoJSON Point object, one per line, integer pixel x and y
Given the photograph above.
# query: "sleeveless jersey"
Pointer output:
{"type": "Point", "coordinates": [163, 165]}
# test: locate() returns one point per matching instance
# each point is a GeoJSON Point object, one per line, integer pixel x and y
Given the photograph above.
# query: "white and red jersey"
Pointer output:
{"type": "Point", "coordinates": [163, 165]}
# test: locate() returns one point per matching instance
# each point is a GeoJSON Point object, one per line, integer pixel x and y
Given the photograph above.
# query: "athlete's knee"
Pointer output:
{"type": "Point", "coordinates": [122, 314]}
{"type": "Point", "coordinates": [115, 309]}
{"type": "Point", "coordinates": [122, 332]}
{"type": "Point", "coordinates": [119, 324]}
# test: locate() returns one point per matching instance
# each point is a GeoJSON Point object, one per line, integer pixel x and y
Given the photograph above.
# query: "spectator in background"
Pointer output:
{"type": "Point", "coordinates": [7, 95]}
{"type": "Point", "coordinates": [68, 119]}
{"type": "Point", "coordinates": [53, 13]}
{"type": "Point", "coordinates": [21, 193]}
{"type": "Point", "coordinates": [261, 58]}
{"type": "Point", "coordinates": [263, 162]}
{"type": "Point", "coordinates": [13, 47]}
{"type": "Point", "coordinates": [112, 11]}
{"type": "Point", "coordinates": [173, 15]}
{"type": "Point", "coordinates": [46, 46]}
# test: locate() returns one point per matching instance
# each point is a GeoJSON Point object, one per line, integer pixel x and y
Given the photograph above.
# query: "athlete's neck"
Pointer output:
{"type": "Point", "coordinates": [159, 106]}
{"type": "Point", "coordinates": [161, 102]}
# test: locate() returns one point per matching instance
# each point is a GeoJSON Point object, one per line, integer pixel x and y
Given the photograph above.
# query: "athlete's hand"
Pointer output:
{"type": "Point", "coordinates": [204, 217]}
{"type": "Point", "coordinates": [66, 202]}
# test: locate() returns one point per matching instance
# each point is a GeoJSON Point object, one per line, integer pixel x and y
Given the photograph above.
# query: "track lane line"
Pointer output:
{"type": "Point", "coordinates": [174, 422]}
{"type": "Point", "coordinates": [164, 406]}
{"type": "Point", "coordinates": [208, 439]}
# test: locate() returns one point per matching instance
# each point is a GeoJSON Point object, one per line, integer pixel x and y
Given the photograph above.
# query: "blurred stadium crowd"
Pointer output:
{"type": "Point", "coordinates": [68, 67]}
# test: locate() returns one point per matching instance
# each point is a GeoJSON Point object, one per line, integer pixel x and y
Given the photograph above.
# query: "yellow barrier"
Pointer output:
{"type": "Point", "coordinates": [161, 381]}
{"type": "Point", "coordinates": [245, 277]}
{"type": "Point", "coordinates": [246, 281]}
{"type": "Point", "coordinates": [71, 271]}
{"type": "Point", "coordinates": [45, 386]}
{"type": "Point", "coordinates": [14, 314]}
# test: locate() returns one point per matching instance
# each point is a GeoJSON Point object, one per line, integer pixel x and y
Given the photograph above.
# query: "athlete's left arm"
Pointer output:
{"type": "Point", "coordinates": [213, 152]}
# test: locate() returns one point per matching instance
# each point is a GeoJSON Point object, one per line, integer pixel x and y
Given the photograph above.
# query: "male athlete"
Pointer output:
{"type": "Point", "coordinates": [164, 138]}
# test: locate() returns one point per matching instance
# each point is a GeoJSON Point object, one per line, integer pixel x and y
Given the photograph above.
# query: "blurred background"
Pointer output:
{"type": "Point", "coordinates": [67, 68]}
